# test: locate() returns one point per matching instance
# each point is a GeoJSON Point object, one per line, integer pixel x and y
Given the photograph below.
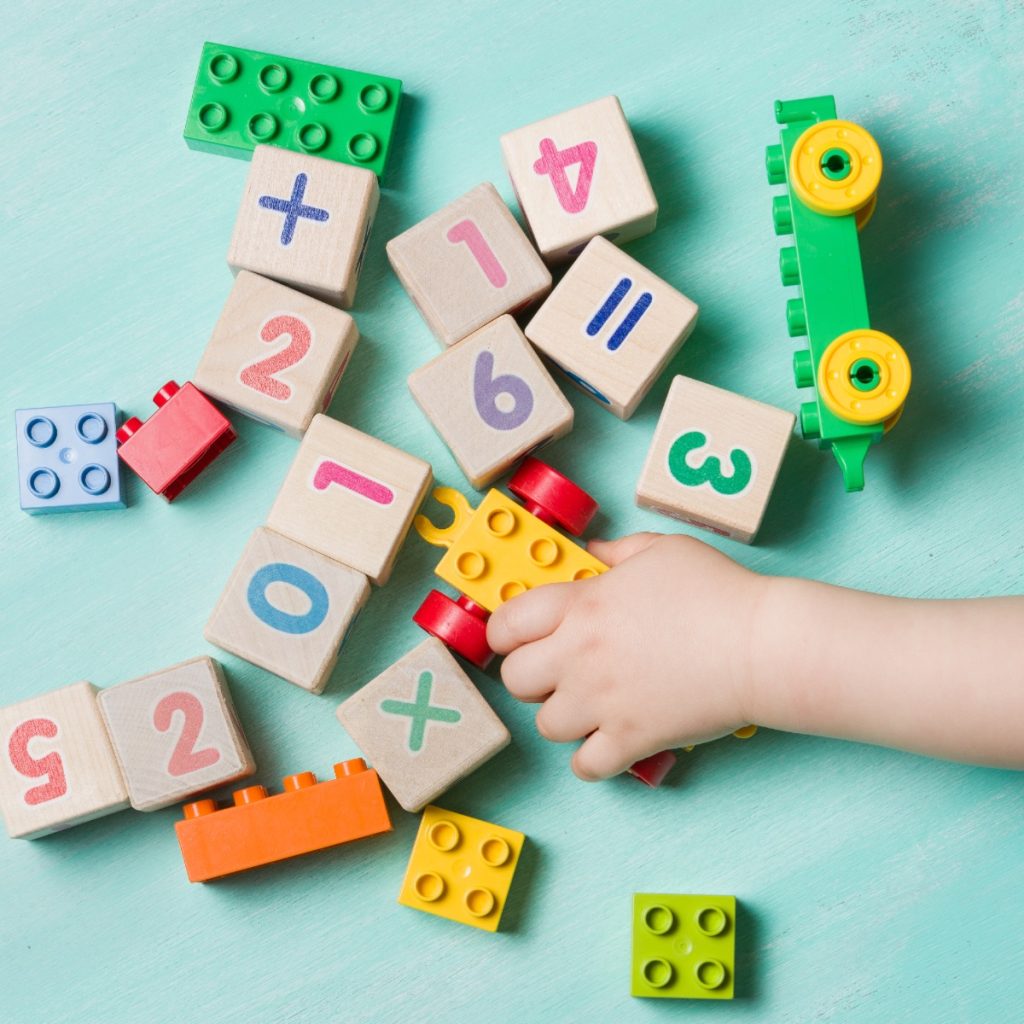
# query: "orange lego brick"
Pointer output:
{"type": "Point", "coordinates": [261, 829]}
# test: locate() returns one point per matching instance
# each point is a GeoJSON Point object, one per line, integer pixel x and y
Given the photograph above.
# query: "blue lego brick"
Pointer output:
{"type": "Point", "coordinates": [67, 458]}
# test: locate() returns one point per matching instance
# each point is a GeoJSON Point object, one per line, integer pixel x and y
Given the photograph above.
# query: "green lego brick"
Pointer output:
{"type": "Point", "coordinates": [825, 262]}
{"type": "Point", "coordinates": [243, 98]}
{"type": "Point", "coordinates": [684, 947]}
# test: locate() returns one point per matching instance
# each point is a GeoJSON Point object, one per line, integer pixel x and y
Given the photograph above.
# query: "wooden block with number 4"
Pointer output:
{"type": "Point", "coordinates": [175, 733]}
{"type": "Point", "coordinates": [351, 497]}
{"type": "Point", "coordinates": [491, 400]}
{"type": "Point", "coordinates": [57, 767]}
{"type": "Point", "coordinates": [579, 174]}
{"type": "Point", "coordinates": [714, 459]}
{"type": "Point", "coordinates": [467, 264]}
{"type": "Point", "coordinates": [275, 354]}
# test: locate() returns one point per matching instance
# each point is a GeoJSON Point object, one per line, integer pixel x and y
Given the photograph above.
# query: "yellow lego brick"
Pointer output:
{"type": "Point", "coordinates": [461, 868]}
{"type": "Point", "coordinates": [499, 550]}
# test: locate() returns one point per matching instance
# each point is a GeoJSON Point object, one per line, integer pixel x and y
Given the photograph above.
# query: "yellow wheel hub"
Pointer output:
{"type": "Point", "coordinates": [835, 168]}
{"type": "Point", "coordinates": [864, 377]}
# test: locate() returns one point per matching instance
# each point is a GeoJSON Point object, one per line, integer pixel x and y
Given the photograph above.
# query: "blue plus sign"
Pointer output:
{"type": "Point", "coordinates": [293, 208]}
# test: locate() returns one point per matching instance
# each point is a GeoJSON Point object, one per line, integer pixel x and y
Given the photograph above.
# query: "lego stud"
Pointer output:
{"type": "Point", "coordinates": [429, 886]}
{"type": "Point", "coordinates": [584, 574]}
{"type": "Point", "coordinates": [94, 479]}
{"type": "Point", "coordinates": [213, 117]}
{"type": "Point", "coordinates": [312, 137]}
{"type": "Point", "coordinates": [803, 368]}
{"type": "Point", "coordinates": [775, 165]}
{"type": "Point", "coordinates": [782, 214]}
{"type": "Point", "coordinates": [374, 98]}
{"type": "Point", "coordinates": [711, 974]}
{"type": "Point", "coordinates": [323, 88]}
{"type": "Point", "coordinates": [512, 588]}
{"type": "Point", "coordinates": [353, 766]}
{"type": "Point", "coordinates": [273, 77]}
{"type": "Point", "coordinates": [471, 565]}
{"type": "Point", "coordinates": [712, 920]}
{"type": "Point", "coordinates": [166, 393]}
{"type": "Point", "coordinates": [789, 266]}
{"type": "Point", "coordinates": [301, 780]}
{"type": "Point", "coordinates": [198, 808]}
{"type": "Point", "coordinates": [657, 972]}
{"type": "Point", "coordinates": [495, 851]}
{"type": "Point", "coordinates": [127, 429]}
{"type": "Point", "coordinates": [796, 318]}
{"type": "Point", "coordinates": [501, 522]}
{"type": "Point", "coordinates": [544, 552]}
{"type": "Point", "coordinates": [810, 421]}
{"type": "Point", "coordinates": [362, 147]}
{"type": "Point", "coordinates": [223, 67]}
{"type": "Point", "coordinates": [746, 732]}
{"type": "Point", "coordinates": [91, 428]}
{"type": "Point", "coordinates": [262, 127]}
{"type": "Point", "coordinates": [659, 919]}
{"type": "Point", "coordinates": [41, 431]}
{"type": "Point", "coordinates": [249, 795]}
{"type": "Point", "coordinates": [480, 902]}
{"type": "Point", "coordinates": [444, 835]}
{"type": "Point", "coordinates": [43, 483]}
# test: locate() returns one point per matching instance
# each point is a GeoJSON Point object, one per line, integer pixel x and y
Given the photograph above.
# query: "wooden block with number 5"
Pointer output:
{"type": "Point", "coordinates": [351, 497]}
{"type": "Point", "coordinates": [491, 400]}
{"type": "Point", "coordinates": [57, 767]}
{"type": "Point", "coordinates": [175, 733]}
{"type": "Point", "coordinates": [467, 264]}
{"type": "Point", "coordinates": [275, 354]}
{"type": "Point", "coordinates": [714, 459]}
{"type": "Point", "coordinates": [579, 174]}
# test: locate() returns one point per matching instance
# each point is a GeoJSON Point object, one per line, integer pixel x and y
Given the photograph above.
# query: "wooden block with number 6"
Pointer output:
{"type": "Point", "coordinates": [579, 174]}
{"type": "Point", "coordinates": [467, 264]}
{"type": "Point", "coordinates": [491, 400]}
{"type": "Point", "coordinates": [175, 733]}
{"type": "Point", "coordinates": [351, 497]}
{"type": "Point", "coordinates": [275, 354]}
{"type": "Point", "coordinates": [714, 459]}
{"type": "Point", "coordinates": [287, 609]}
{"type": "Point", "coordinates": [57, 767]}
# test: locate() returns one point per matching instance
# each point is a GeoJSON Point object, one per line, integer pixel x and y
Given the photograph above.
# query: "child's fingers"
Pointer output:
{"type": "Point", "coordinates": [562, 719]}
{"type": "Point", "coordinates": [612, 552]}
{"type": "Point", "coordinates": [600, 757]}
{"type": "Point", "coordinates": [530, 672]}
{"type": "Point", "coordinates": [528, 617]}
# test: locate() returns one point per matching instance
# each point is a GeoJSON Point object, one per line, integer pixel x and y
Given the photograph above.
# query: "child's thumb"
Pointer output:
{"type": "Point", "coordinates": [612, 552]}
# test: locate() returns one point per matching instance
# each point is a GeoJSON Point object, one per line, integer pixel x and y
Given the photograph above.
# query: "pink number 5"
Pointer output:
{"type": "Point", "coordinates": [467, 231]}
{"type": "Point", "coordinates": [259, 375]}
{"type": "Point", "coordinates": [184, 758]}
{"type": "Point", "coordinates": [51, 766]}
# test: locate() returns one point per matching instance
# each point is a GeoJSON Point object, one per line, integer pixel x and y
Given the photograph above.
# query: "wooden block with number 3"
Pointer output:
{"type": "Point", "coordinates": [351, 497]}
{"type": "Point", "coordinates": [175, 733]}
{"type": "Point", "coordinates": [467, 264]}
{"type": "Point", "coordinates": [714, 459]}
{"type": "Point", "coordinates": [57, 767]}
{"type": "Point", "coordinates": [491, 400]}
{"type": "Point", "coordinates": [579, 174]}
{"type": "Point", "coordinates": [275, 354]}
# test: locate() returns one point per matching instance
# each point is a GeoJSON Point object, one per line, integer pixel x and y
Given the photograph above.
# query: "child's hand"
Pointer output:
{"type": "Point", "coordinates": [653, 654]}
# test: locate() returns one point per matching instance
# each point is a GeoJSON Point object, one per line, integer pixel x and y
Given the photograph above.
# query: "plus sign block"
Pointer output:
{"type": "Point", "coordinates": [275, 354]}
{"type": "Point", "coordinates": [579, 174]}
{"type": "Point", "coordinates": [67, 458]}
{"type": "Point", "coordinates": [175, 733]}
{"type": "Point", "coordinates": [714, 459]}
{"type": "Point", "coordinates": [468, 264]}
{"type": "Point", "coordinates": [423, 725]}
{"type": "Point", "coordinates": [491, 400]}
{"type": "Point", "coordinates": [684, 947]}
{"type": "Point", "coordinates": [612, 326]}
{"type": "Point", "coordinates": [305, 222]}
{"type": "Point", "coordinates": [287, 609]}
{"type": "Point", "coordinates": [57, 767]}
{"type": "Point", "coordinates": [351, 497]}
{"type": "Point", "coordinates": [461, 868]}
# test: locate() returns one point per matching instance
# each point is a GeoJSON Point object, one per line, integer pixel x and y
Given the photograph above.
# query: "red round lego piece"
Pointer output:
{"type": "Point", "coordinates": [166, 393]}
{"type": "Point", "coordinates": [127, 429]}
{"type": "Point", "coordinates": [651, 771]}
{"type": "Point", "coordinates": [552, 497]}
{"type": "Point", "coordinates": [460, 625]}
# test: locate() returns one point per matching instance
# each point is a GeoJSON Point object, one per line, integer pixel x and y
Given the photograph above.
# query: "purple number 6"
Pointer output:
{"type": "Point", "coordinates": [487, 389]}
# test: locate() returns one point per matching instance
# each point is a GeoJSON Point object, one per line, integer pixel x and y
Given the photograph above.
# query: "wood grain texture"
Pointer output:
{"type": "Point", "coordinates": [874, 886]}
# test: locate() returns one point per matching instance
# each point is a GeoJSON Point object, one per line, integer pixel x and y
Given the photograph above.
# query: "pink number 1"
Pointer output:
{"type": "Point", "coordinates": [467, 231]}
{"type": "Point", "coordinates": [260, 375]}
{"type": "Point", "coordinates": [184, 758]}
{"type": "Point", "coordinates": [51, 766]}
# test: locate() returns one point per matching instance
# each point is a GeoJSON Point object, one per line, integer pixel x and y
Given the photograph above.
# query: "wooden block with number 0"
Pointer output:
{"type": "Point", "coordinates": [57, 767]}
{"type": "Point", "coordinates": [579, 174]}
{"type": "Point", "coordinates": [350, 496]}
{"type": "Point", "coordinates": [467, 264]}
{"type": "Point", "coordinates": [714, 459]}
{"type": "Point", "coordinates": [175, 733]}
{"type": "Point", "coordinates": [275, 354]}
{"type": "Point", "coordinates": [491, 400]}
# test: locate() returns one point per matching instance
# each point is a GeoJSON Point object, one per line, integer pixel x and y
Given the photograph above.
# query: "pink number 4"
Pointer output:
{"type": "Point", "coordinates": [467, 231]}
{"type": "Point", "coordinates": [553, 162]}
{"type": "Point", "coordinates": [260, 375]}
{"type": "Point", "coordinates": [50, 767]}
{"type": "Point", "coordinates": [184, 758]}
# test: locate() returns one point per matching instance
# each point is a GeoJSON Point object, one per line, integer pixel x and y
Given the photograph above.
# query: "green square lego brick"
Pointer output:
{"type": "Point", "coordinates": [243, 98]}
{"type": "Point", "coordinates": [684, 947]}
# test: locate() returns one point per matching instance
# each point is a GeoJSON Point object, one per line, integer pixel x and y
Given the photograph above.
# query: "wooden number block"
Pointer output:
{"type": "Point", "coordinates": [491, 400]}
{"type": "Point", "coordinates": [57, 767]}
{"type": "Point", "coordinates": [305, 221]}
{"type": "Point", "coordinates": [175, 733]}
{"type": "Point", "coordinates": [423, 725]}
{"type": "Point", "coordinates": [287, 609]}
{"type": "Point", "coordinates": [276, 355]}
{"type": "Point", "coordinates": [467, 264]}
{"type": "Point", "coordinates": [350, 497]}
{"type": "Point", "coordinates": [579, 174]}
{"type": "Point", "coordinates": [714, 459]}
{"type": "Point", "coordinates": [612, 326]}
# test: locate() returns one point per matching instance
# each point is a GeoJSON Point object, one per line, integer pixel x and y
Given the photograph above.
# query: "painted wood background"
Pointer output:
{"type": "Point", "coordinates": [875, 886]}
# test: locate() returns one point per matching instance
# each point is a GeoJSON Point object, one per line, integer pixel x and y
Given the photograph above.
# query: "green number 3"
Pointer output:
{"type": "Point", "coordinates": [710, 470]}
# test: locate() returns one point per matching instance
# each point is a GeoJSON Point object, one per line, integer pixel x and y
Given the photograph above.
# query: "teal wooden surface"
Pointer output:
{"type": "Point", "coordinates": [875, 886]}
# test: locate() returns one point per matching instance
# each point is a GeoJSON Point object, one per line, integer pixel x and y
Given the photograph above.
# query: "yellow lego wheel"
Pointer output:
{"type": "Point", "coordinates": [864, 377]}
{"type": "Point", "coordinates": [866, 212]}
{"type": "Point", "coordinates": [835, 168]}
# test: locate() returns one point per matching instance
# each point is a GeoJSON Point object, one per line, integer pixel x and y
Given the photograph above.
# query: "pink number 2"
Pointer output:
{"type": "Point", "coordinates": [260, 375]}
{"type": "Point", "coordinates": [51, 766]}
{"type": "Point", "coordinates": [467, 231]}
{"type": "Point", "coordinates": [184, 758]}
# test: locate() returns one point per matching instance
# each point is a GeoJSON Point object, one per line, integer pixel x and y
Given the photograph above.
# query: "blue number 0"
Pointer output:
{"type": "Point", "coordinates": [275, 618]}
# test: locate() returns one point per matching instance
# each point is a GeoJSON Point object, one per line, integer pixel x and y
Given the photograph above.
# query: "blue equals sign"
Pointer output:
{"type": "Point", "coordinates": [629, 321]}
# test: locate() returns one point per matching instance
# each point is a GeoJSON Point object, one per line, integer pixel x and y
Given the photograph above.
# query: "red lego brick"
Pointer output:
{"type": "Point", "coordinates": [176, 443]}
{"type": "Point", "coordinates": [261, 829]}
